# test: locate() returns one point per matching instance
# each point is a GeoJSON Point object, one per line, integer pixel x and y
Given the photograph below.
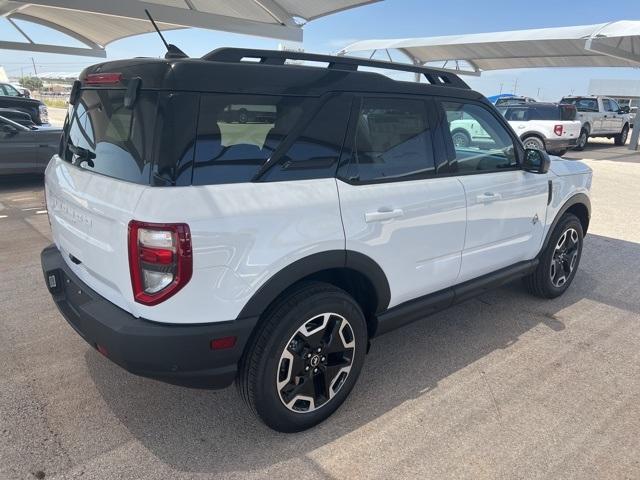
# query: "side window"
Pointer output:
{"type": "Point", "coordinates": [392, 140]}
{"type": "Point", "coordinates": [614, 106]}
{"type": "Point", "coordinates": [238, 133]}
{"type": "Point", "coordinates": [316, 151]}
{"type": "Point", "coordinates": [480, 142]}
{"type": "Point", "coordinates": [607, 105]}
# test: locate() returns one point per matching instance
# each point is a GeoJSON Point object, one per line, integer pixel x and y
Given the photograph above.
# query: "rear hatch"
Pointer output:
{"type": "Point", "coordinates": [108, 157]}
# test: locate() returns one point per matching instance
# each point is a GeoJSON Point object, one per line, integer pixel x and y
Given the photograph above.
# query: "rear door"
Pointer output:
{"type": "Point", "coordinates": [506, 206]}
{"type": "Point", "coordinates": [394, 207]}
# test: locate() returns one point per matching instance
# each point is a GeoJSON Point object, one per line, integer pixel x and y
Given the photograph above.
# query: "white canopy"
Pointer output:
{"type": "Point", "coordinates": [615, 44]}
{"type": "Point", "coordinates": [96, 23]}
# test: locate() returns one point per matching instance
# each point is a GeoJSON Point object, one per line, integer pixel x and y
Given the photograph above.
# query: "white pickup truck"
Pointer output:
{"type": "Point", "coordinates": [600, 117]}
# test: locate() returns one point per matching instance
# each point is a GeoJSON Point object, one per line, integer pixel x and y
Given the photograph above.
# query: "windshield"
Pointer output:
{"type": "Point", "coordinates": [104, 136]}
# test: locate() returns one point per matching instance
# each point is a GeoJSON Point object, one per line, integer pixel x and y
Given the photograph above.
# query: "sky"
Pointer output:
{"type": "Point", "coordinates": [386, 19]}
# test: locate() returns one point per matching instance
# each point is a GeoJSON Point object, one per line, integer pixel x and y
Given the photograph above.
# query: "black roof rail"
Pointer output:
{"type": "Point", "coordinates": [434, 76]}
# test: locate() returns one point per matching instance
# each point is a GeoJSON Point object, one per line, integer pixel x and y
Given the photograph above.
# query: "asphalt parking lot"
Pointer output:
{"type": "Point", "coordinates": [503, 386]}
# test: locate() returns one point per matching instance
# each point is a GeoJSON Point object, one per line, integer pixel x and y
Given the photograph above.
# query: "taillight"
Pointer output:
{"type": "Point", "coordinates": [558, 130]}
{"type": "Point", "coordinates": [160, 260]}
{"type": "Point", "coordinates": [103, 78]}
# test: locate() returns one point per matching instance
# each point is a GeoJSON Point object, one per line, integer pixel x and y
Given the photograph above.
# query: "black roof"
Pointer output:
{"type": "Point", "coordinates": [225, 70]}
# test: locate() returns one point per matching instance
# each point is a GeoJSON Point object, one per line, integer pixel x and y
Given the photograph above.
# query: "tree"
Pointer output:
{"type": "Point", "coordinates": [32, 83]}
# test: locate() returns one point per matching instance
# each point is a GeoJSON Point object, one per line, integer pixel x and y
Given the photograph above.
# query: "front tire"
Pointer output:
{"type": "Point", "coordinates": [305, 358]}
{"type": "Point", "coordinates": [559, 261]}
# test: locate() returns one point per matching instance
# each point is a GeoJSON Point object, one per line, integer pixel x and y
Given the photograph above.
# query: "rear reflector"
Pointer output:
{"type": "Point", "coordinates": [160, 260]}
{"type": "Point", "coordinates": [103, 78]}
{"type": "Point", "coordinates": [223, 343]}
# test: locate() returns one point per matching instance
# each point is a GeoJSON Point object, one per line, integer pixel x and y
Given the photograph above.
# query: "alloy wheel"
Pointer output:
{"type": "Point", "coordinates": [565, 256]}
{"type": "Point", "coordinates": [316, 362]}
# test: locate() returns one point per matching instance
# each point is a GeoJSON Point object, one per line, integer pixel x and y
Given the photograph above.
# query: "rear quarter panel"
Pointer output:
{"type": "Point", "coordinates": [242, 235]}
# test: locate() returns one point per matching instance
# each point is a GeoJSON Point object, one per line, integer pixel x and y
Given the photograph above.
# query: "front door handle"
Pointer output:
{"type": "Point", "coordinates": [488, 197]}
{"type": "Point", "coordinates": [383, 214]}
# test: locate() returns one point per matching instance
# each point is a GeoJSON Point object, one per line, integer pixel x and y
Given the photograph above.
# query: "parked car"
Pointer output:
{"type": "Point", "coordinates": [17, 116]}
{"type": "Point", "coordinates": [24, 149]}
{"type": "Point", "coordinates": [545, 126]}
{"type": "Point", "coordinates": [513, 100]}
{"type": "Point", "coordinates": [12, 99]}
{"type": "Point", "coordinates": [541, 126]}
{"type": "Point", "coordinates": [195, 253]}
{"type": "Point", "coordinates": [600, 117]}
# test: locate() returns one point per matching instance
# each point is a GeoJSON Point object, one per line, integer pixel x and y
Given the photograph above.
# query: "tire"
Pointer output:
{"type": "Point", "coordinates": [283, 378]}
{"type": "Point", "coordinates": [622, 138]}
{"type": "Point", "coordinates": [461, 139]}
{"type": "Point", "coordinates": [560, 258]}
{"type": "Point", "coordinates": [243, 115]}
{"type": "Point", "coordinates": [583, 139]}
{"type": "Point", "coordinates": [534, 143]}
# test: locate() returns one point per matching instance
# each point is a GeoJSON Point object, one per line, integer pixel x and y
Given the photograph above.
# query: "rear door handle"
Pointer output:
{"type": "Point", "coordinates": [488, 197]}
{"type": "Point", "coordinates": [383, 214]}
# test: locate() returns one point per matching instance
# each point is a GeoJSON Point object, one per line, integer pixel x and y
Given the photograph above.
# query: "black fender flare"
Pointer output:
{"type": "Point", "coordinates": [578, 198]}
{"type": "Point", "coordinates": [316, 263]}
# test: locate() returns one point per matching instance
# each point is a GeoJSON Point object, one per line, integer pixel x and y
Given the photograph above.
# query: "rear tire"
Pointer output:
{"type": "Point", "coordinates": [559, 261]}
{"type": "Point", "coordinates": [461, 139]}
{"type": "Point", "coordinates": [621, 139]}
{"type": "Point", "coordinates": [583, 139]}
{"type": "Point", "coordinates": [305, 357]}
{"type": "Point", "coordinates": [534, 143]}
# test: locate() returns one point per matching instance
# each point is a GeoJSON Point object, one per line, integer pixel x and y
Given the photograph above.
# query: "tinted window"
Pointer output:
{"type": "Point", "coordinates": [480, 142]}
{"type": "Point", "coordinates": [516, 114]}
{"type": "Point", "coordinates": [238, 133]}
{"type": "Point", "coordinates": [392, 140]}
{"type": "Point", "coordinates": [109, 138]}
{"type": "Point", "coordinates": [316, 151]}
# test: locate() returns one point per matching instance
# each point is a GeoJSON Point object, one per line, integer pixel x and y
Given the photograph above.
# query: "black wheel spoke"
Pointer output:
{"type": "Point", "coordinates": [317, 356]}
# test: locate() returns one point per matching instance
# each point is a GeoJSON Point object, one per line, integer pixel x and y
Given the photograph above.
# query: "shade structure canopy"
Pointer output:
{"type": "Point", "coordinates": [615, 44]}
{"type": "Point", "coordinates": [96, 23]}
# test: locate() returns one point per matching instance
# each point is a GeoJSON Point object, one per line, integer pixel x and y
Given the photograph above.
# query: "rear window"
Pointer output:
{"type": "Point", "coordinates": [582, 104]}
{"type": "Point", "coordinates": [104, 136]}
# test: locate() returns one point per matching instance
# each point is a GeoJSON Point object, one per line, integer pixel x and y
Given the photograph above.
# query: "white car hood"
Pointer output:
{"type": "Point", "coordinates": [562, 167]}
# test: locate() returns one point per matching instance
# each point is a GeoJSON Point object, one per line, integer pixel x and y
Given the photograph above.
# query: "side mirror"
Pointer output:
{"type": "Point", "coordinates": [536, 161]}
{"type": "Point", "coordinates": [624, 110]}
{"type": "Point", "coordinates": [8, 130]}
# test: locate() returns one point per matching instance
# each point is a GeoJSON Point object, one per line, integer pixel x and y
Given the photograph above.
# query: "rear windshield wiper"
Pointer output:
{"type": "Point", "coordinates": [81, 155]}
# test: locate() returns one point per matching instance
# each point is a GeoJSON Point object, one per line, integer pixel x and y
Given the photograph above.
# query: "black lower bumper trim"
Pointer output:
{"type": "Point", "coordinates": [178, 354]}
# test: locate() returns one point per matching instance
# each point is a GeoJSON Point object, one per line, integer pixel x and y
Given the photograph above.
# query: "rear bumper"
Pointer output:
{"type": "Point", "coordinates": [178, 354]}
{"type": "Point", "coordinates": [555, 144]}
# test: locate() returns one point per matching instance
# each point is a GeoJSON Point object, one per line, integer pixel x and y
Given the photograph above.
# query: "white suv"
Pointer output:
{"type": "Point", "coordinates": [197, 247]}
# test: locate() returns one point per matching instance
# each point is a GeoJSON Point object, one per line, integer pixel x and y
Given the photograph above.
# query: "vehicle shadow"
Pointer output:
{"type": "Point", "coordinates": [9, 183]}
{"type": "Point", "coordinates": [212, 431]}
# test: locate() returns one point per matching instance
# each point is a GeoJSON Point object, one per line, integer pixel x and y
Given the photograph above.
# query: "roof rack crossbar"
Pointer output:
{"type": "Point", "coordinates": [434, 76]}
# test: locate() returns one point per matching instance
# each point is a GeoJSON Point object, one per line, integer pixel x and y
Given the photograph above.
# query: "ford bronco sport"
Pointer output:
{"type": "Point", "coordinates": [198, 245]}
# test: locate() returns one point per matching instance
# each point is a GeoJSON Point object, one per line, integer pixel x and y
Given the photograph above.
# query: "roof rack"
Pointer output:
{"type": "Point", "coordinates": [434, 76]}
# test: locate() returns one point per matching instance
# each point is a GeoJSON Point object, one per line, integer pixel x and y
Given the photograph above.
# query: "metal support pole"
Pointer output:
{"type": "Point", "coordinates": [635, 137]}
